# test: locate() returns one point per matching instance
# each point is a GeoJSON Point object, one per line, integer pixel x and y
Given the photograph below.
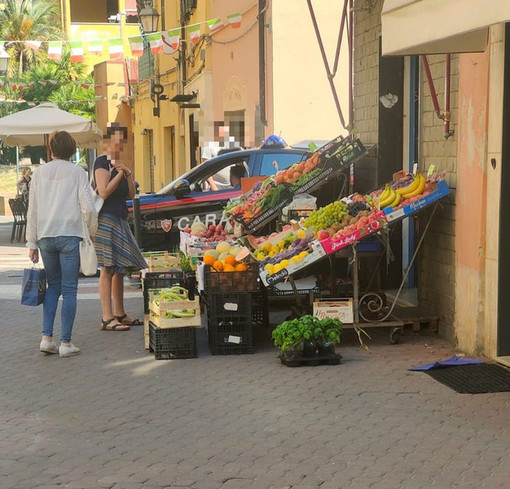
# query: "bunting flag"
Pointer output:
{"type": "Point", "coordinates": [42, 82]}
{"type": "Point", "coordinates": [234, 20]}
{"type": "Point", "coordinates": [96, 47]}
{"type": "Point", "coordinates": [55, 50]}
{"type": "Point", "coordinates": [171, 41]}
{"type": "Point", "coordinates": [215, 24]}
{"type": "Point", "coordinates": [76, 50]}
{"type": "Point", "coordinates": [156, 42]}
{"type": "Point", "coordinates": [35, 45]}
{"type": "Point", "coordinates": [116, 48]}
{"type": "Point", "coordinates": [194, 33]}
{"type": "Point", "coordinates": [136, 45]}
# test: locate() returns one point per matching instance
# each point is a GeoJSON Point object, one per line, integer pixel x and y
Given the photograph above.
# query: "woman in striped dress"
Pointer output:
{"type": "Point", "coordinates": [116, 248]}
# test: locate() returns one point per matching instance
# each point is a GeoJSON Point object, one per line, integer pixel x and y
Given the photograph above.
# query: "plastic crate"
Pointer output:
{"type": "Point", "coordinates": [259, 309]}
{"type": "Point", "coordinates": [152, 281]}
{"type": "Point", "coordinates": [235, 307]}
{"type": "Point", "coordinates": [227, 338]}
{"type": "Point", "coordinates": [168, 344]}
{"type": "Point", "coordinates": [224, 282]}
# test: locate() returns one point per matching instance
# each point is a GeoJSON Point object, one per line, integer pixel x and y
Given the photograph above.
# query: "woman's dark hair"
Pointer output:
{"type": "Point", "coordinates": [116, 127]}
{"type": "Point", "coordinates": [62, 145]}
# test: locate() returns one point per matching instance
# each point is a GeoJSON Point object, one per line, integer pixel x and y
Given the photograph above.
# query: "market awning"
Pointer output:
{"type": "Point", "coordinates": [439, 26]}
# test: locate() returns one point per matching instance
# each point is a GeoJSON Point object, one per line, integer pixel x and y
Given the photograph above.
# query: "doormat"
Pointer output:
{"type": "Point", "coordinates": [480, 378]}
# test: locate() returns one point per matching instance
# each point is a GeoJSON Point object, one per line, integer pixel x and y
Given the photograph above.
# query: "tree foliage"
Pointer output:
{"type": "Point", "coordinates": [24, 20]}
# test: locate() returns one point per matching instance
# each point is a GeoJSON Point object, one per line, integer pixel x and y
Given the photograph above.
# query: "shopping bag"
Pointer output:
{"type": "Point", "coordinates": [33, 286]}
{"type": "Point", "coordinates": [88, 257]}
{"type": "Point", "coordinates": [98, 201]}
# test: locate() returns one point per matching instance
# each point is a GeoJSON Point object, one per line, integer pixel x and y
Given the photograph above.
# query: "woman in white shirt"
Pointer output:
{"type": "Point", "coordinates": [60, 194]}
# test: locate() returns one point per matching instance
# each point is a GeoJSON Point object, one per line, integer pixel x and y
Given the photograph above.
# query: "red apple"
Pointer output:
{"type": "Point", "coordinates": [322, 234]}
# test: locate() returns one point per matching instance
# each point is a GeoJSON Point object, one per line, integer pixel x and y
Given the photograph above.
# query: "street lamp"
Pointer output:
{"type": "Point", "coordinates": [149, 17]}
{"type": "Point", "coordinates": [4, 61]}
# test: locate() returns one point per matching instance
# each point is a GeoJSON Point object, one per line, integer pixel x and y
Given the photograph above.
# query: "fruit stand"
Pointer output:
{"type": "Point", "coordinates": [235, 273]}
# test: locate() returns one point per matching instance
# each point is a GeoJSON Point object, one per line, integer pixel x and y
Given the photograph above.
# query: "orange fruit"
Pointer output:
{"type": "Point", "coordinates": [209, 260]}
{"type": "Point", "coordinates": [218, 265]}
{"type": "Point", "coordinates": [228, 268]}
{"type": "Point", "coordinates": [230, 260]}
{"type": "Point", "coordinates": [241, 267]}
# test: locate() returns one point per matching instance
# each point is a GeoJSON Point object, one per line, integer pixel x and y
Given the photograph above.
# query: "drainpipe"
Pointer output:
{"type": "Point", "coordinates": [262, 61]}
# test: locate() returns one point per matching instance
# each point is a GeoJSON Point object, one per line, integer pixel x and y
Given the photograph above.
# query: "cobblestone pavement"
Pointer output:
{"type": "Point", "coordinates": [114, 417]}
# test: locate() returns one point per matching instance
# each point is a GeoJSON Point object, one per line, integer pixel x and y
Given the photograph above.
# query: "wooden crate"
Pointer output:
{"type": "Point", "coordinates": [163, 262]}
{"type": "Point", "coordinates": [146, 336]}
{"type": "Point", "coordinates": [157, 313]}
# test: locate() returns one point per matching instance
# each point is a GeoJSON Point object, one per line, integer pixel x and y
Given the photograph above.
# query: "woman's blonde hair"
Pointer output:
{"type": "Point", "coordinates": [62, 145]}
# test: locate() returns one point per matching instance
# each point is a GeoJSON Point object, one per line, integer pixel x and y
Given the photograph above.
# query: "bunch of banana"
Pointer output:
{"type": "Point", "coordinates": [389, 197]}
{"type": "Point", "coordinates": [416, 187]}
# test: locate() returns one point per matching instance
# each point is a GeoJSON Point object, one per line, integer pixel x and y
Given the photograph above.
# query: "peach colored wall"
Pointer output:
{"type": "Point", "coordinates": [234, 58]}
{"type": "Point", "coordinates": [470, 223]}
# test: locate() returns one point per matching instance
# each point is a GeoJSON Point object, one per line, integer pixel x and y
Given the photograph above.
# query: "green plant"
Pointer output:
{"type": "Point", "coordinates": [295, 333]}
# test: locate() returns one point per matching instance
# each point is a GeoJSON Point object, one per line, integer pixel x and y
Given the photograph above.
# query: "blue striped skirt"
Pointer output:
{"type": "Point", "coordinates": [116, 247]}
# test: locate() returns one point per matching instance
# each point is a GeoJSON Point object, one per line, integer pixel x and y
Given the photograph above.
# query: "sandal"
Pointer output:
{"type": "Point", "coordinates": [128, 321]}
{"type": "Point", "coordinates": [118, 326]}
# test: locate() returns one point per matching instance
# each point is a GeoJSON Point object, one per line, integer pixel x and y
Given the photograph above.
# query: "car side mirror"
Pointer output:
{"type": "Point", "coordinates": [182, 187]}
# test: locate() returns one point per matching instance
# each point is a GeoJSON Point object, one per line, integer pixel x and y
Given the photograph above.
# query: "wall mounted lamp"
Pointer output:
{"type": "Point", "coordinates": [144, 132]}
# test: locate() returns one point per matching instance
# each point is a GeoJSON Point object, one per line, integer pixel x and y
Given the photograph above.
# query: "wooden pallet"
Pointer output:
{"type": "Point", "coordinates": [430, 322]}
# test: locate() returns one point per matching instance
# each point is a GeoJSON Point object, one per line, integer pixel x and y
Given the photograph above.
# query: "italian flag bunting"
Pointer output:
{"type": "Point", "coordinates": [35, 45]}
{"type": "Point", "coordinates": [136, 45]}
{"type": "Point", "coordinates": [234, 20]}
{"type": "Point", "coordinates": [194, 33]}
{"type": "Point", "coordinates": [116, 49]}
{"type": "Point", "coordinates": [96, 47]}
{"type": "Point", "coordinates": [215, 24]}
{"type": "Point", "coordinates": [55, 50]}
{"type": "Point", "coordinates": [156, 42]}
{"type": "Point", "coordinates": [171, 41]}
{"type": "Point", "coordinates": [76, 51]}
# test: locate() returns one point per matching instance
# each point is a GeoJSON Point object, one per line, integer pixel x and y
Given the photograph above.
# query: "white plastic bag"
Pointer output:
{"type": "Point", "coordinates": [88, 257]}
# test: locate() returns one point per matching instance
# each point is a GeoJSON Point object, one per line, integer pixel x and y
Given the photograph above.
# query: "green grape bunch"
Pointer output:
{"type": "Point", "coordinates": [324, 217]}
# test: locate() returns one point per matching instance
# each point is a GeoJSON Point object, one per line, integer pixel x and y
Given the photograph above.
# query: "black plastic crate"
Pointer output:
{"type": "Point", "coordinates": [259, 309]}
{"type": "Point", "coordinates": [236, 307]}
{"type": "Point", "coordinates": [224, 282]}
{"type": "Point", "coordinates": [159, 280]}
{"type": "Point", "coordinates": [228, 338]}
{"type": "Point", "coordinates": [171, 343]}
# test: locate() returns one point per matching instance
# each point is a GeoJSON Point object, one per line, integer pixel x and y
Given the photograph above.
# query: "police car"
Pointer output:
{"type": "Point", "coordinates": [190, 197]}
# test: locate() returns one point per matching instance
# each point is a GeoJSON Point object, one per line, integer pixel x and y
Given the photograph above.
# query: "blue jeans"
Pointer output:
{"type": "Point", "coordinates": [61, 257]}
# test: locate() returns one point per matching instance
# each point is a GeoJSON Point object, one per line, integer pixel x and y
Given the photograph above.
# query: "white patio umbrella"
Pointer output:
{"type": "Point", "coordinates": [32, 127]}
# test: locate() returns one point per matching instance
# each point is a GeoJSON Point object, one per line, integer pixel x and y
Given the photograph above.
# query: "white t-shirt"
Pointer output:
{"type": "Point", "coordinates": [60, 194]}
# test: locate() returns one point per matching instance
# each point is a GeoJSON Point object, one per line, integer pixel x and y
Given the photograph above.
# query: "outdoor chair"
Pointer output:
{"type": "Point", "coordinates": [19, 212]}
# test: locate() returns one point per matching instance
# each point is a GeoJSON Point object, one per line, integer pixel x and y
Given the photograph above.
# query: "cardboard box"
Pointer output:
{"type": "Point", "coordinates": [316, 253]}
{"type": "Point", "coordinates": [157, 314]}
{"type": "Point", "coordinates": [441, 190]}
{"type": "Point", "coordinates": [331, 245]}
{"type": "Point", "coordinates": [334, 308]}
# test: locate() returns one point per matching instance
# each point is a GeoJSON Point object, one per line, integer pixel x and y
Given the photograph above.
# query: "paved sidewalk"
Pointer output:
{"type": "Point", "coordinates": [113, 417]}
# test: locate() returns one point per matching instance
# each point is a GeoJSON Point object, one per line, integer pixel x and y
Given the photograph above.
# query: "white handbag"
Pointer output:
{"type": "Point", "coordinates": [98, 201]}
{"type": "Point", "coordinates": [88, 257]}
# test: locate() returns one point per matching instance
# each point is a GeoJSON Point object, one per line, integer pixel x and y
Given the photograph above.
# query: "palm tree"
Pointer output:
{"type": "Point", "coordinates": [24, 20]}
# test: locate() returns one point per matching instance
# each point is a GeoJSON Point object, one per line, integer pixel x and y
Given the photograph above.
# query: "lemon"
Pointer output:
{"type": "Point", "coordinates": [269, 268]}
{"type": "Point", "coordinates": [301, 233]}
{"type": "Point", "coordinates": [275, 249]}
{"type": "Point", "coordinates": [303, 254]}
{"type": "Point", "coordinates": [295, 258]}
{"type": "Point", "coordinates": [267, 247]}
{"type": "Point", "coordinates": [284, 263]}
{"type": "Point", "coordinates": [276, 268]}
{"type": "Point", "coordinates": [272, 253]}
{"type": "Point", "coordinates": [260, 256]}
{"type": "Point", "coordinates": [281, 244]}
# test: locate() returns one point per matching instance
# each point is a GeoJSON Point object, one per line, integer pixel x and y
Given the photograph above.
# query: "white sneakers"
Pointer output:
{"type": "Point", "coordinates": [68, 351]}
{"type": "Point", "coordinates": [63, 351]}
{"type": "Point", "coordinates": [48, 347]}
